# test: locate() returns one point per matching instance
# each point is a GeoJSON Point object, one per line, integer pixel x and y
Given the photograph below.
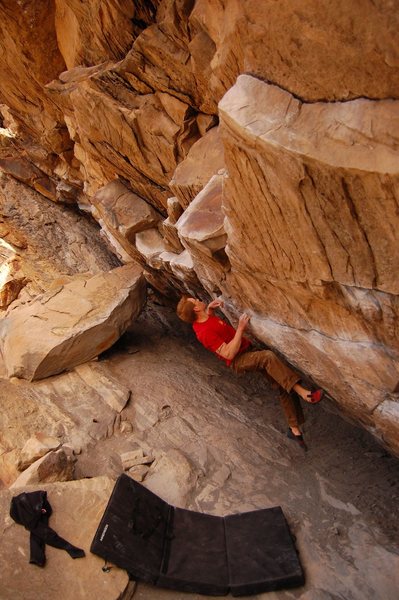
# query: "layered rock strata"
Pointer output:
{"type": "Point", "coordinates": [314, 254]}
{"type": "Point", "coordinates": [42, 242]}
{"type": "Point", "coordinates": [114, 109]}
{"type": "Point", "coordinates": [69, 412]}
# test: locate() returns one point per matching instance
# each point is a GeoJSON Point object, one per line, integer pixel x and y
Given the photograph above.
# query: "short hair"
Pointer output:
{"type": "Point", "coordinates": [185, 310]}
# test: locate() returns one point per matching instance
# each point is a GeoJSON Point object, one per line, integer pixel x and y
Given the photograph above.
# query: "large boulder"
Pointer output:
{"type": "Point", "coordinates": [72, 323]}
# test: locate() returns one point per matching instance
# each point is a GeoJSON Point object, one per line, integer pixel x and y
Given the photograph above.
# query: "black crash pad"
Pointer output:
{"type": "Point", "coordinates": [245, 553]}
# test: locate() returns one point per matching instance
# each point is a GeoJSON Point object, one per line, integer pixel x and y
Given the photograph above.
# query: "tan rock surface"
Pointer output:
{"type": "Point", "coordinates": [174, 209]}
{"type": "Point", "coordinates": [209, 49]}
{"type": "Point", "coordinates": [138, 473]}
{"type": "Point", "coordinates": [109, 389]}
{"type": "Point", "coordinates": [12, 280]}
{"type": "Point", "coordinates": [142, 90]}
{"type": "Point", "coordinates": [340, 498]}
{"type": "Point", "coordinates": [135, 458]}
{"type": "Point", "coordinates": [26, 172]}
{"type": "Point", "coordinates": [179, 268]}
{"type": "Point", "coordinates": [231, 435]}
{"type": "Point", "coordinates": [30, 58]}
{"type": "Point", "coordinates": [134, 134]}
{"type": "Point", "coordinates": [171, 476]}
{"type": "Point", "coordinates": [204, 160]}
{"type": "Point", "coordinates": [150, 245]}
{"type": "Point", "coordinates": [170, 236]}
{"type": "Point", "coordinates": [316, 160]}
{"type": "Point", "coordinates": [64, 407]}
{"type": "Point", "coordinates": [136, 117]}
{"type": "Point", "coordinates": [307, 256]}
{"type": "Point", "coordinates": [45, 241]}
{"type": "Point", "coordinates": [77, 509]}
{"type": "Point", "coordinates": [336, 52]}
{"type": "Point", "coordinates": [123, 212]}
{"type": "Point", "coordinates": [72, 323]}
{"type": "Point", "coordinates": [201, 230]}
{"type": "Point", "coordinates": [36, 447]}
{"type": "Point", "coordinates": [92, 32]}
{"type": "Point", "coordinates": [175, 56]}
{"type": "Point", "coordinates": [53, 466]}
{"type": "Point", "coordinates": [203, 221]}
{"type": "Point", "coordinates": [23, 414]}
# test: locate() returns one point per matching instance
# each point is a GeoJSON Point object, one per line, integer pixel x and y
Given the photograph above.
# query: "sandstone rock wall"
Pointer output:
{"type": "Point", "coordinates": [289, 208]}
{"type": "Point", "coordinates": [319, 261]}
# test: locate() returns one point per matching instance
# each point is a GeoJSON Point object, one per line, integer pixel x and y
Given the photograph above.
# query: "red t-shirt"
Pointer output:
{"type": "Point", "coordinates": [214, 332]}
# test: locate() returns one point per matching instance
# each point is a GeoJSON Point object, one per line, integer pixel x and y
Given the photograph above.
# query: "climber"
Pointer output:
{"type": "Point", "coordinates": [235, 350]}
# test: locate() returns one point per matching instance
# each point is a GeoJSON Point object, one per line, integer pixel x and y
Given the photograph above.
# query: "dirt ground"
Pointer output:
{"type": "Point", "coordinates": [340, 498]}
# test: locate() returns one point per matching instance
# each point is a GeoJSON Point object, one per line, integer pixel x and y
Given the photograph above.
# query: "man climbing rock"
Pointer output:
{"type": "Point", "coordinates": [230, 345]}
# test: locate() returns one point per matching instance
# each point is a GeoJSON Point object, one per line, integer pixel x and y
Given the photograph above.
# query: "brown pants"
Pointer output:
{"type": "Point", "coordinates": [276, 372]}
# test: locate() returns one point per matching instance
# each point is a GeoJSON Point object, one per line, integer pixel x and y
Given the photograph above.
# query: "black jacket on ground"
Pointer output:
{"type": "Point", "coordinates": [33, 510]}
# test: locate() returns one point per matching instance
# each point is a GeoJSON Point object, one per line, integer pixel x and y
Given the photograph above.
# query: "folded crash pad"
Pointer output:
{"type": "Point", "coordinates": [245, 553]}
